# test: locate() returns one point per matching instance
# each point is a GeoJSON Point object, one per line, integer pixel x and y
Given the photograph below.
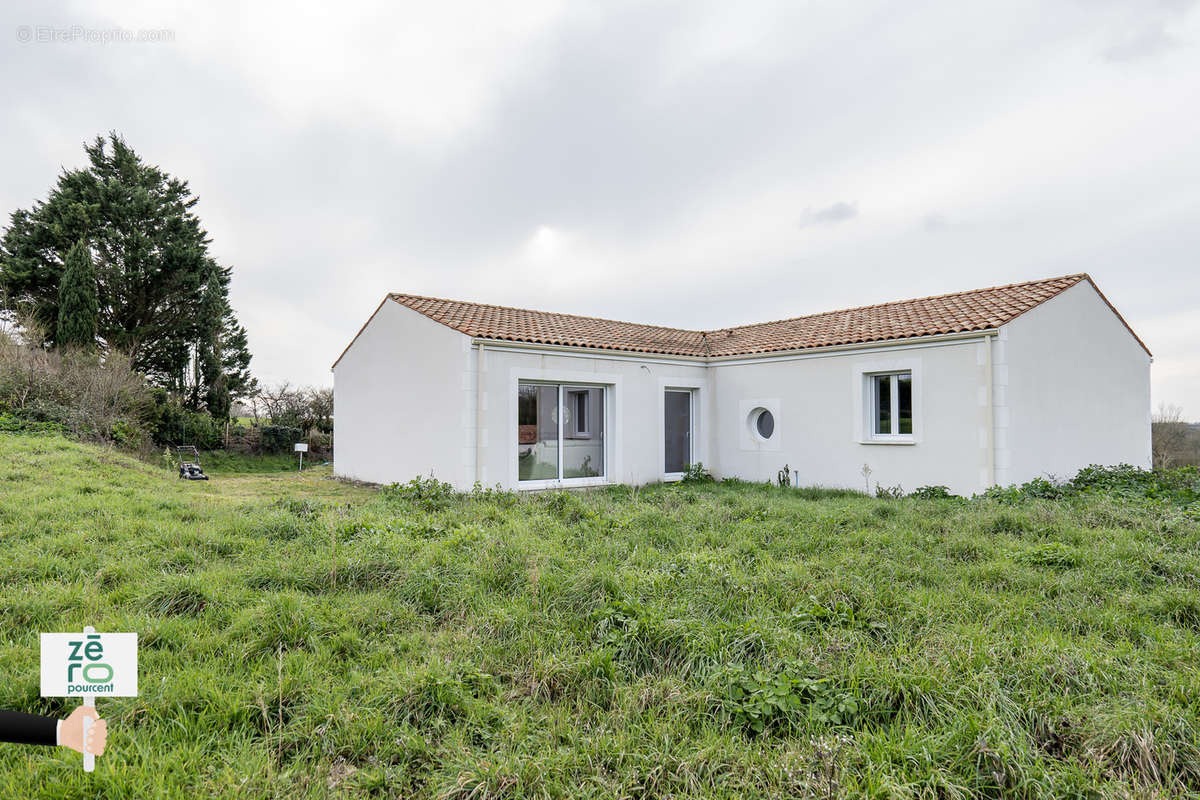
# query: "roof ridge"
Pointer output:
{"type": "Point", "coordinates": [966, 310]}
{"type": "Point", "coordinates": [1074, 278]}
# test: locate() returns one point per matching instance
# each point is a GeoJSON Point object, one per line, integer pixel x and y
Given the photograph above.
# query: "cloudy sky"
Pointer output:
{"type": "Point", "coordinates": [683, 163]}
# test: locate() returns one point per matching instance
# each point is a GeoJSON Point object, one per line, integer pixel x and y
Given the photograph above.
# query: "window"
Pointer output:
{"type": "Point", "coordinates": [764, 423]}
{"type": "Point", "coordinates": [560, 432]}
{"type": "Point", "coordinates": [580, 405]}
{"type": "Point", "coordinates": [891, 405]}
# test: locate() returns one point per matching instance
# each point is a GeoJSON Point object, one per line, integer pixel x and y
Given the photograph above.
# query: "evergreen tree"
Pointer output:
{"type": "Point", "coordinates": [152, 270]}
{"type": "Point", "coordinates": [77, 303]}
{"type": "Point", "coordinates": [222, 356]}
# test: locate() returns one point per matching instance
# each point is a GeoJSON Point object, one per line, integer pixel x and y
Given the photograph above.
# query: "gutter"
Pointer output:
{"type": "Point", "coordinates": [589, 352]}
{"type": "Point", "coordinates": [991, 411]}
{"type": "Point", "coordinates": [734, 360]}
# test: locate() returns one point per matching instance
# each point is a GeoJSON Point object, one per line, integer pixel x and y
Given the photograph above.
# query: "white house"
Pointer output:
{"type": "Point", "coordinates": [967, 390]}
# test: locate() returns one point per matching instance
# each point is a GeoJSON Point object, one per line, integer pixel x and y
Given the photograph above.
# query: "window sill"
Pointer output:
{"type": "Point", "coordinates": [907, 440]}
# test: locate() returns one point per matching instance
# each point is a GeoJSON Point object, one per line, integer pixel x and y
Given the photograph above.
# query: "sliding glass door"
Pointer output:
{"type": "Point", "coordinates": [560, 432]}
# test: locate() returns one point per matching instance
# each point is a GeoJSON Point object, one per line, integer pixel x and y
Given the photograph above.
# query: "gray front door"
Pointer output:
{"type": "Point", "coordinates": [677, 428]}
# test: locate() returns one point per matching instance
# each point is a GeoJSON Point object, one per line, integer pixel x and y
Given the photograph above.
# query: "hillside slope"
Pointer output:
{"type": "Point", "coordinates": [301, 638]}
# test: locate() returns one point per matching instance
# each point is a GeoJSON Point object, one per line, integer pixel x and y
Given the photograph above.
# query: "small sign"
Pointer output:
{"type": "Point", "coordinates": [89, 664]}
{"type": "Point", "coordinates": [301, 447]}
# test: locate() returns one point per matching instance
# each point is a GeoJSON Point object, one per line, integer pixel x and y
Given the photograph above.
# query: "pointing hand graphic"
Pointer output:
{"type": "Point", "coordinates": [71, 733]}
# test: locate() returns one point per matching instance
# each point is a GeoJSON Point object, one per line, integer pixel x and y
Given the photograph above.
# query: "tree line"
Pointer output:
{"type": "Point", "coordinates": [1176, 442]}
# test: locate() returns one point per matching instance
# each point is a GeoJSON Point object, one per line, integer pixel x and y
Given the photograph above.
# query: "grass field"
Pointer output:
{"type": "Point", "coordinates": [302, 638]}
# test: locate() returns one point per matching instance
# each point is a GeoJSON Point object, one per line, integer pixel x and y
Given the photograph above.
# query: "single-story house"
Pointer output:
{"type": "Point", "coordinates": [966, 390]}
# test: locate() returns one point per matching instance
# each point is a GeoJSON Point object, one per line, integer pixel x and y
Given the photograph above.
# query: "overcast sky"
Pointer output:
{"type": "Point", "coordinates": [683, 163]}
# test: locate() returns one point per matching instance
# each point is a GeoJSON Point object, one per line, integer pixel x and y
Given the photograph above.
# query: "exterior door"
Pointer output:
{"type": "Point", "coordinates": [677, 430]}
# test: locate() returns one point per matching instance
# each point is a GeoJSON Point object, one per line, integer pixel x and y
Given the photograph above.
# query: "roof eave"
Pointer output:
{"type": "Point", "coordinates": [875, 344]}
{"type": "Point", "coordinates": [509, 344]}
{"type": "Point", "coordinates": [1113, 308]}
{"type": "Point", "coordinates": [567, 349]}
{"type": "Point", "coordinates": [360, 332]}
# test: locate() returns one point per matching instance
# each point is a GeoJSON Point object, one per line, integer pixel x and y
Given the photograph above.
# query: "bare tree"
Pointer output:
{"type": "Point", "coordinates": [320, 408]}
{"type": "Point", "coordinates": [1169, 434]}
{"type": "Point", "coordinates": [279, 404]}
{"type": "Point", "coordinates": [294, 407]}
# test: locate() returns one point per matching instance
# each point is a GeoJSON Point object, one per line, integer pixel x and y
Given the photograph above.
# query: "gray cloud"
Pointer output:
{"type": "Point", "coordinates": [935, 223]}
{"type": "Point", "coordinates": [554, 155]}
{"type": "Point", "coordinates": [838, 212]}
{"type": "Point", "coordinates": [1146, 30]}
{"type": "Point", "coordinates": [938, 222]}
{"type": "Point", "coordinates": [1145, 43]}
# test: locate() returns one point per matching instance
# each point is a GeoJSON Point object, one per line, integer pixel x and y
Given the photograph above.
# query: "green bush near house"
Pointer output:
{"type": "Point", "coordinates": [305, 638]}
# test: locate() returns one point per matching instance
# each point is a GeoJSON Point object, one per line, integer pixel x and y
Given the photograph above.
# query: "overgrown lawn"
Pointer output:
{"type": "Point", "coordinates": [305, 638]}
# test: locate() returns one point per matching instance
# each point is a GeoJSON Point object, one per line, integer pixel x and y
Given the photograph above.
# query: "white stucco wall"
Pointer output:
{"type": "Point", "coordinates": [402, 394]}
{"type": "Point", "coordinates": [821, 422]}
{"type": "Point", "coordinates": [1072, 389]}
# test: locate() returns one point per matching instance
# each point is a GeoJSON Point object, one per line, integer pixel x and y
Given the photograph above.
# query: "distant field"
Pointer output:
{"type": "Point", "coordinates": [719, 640]}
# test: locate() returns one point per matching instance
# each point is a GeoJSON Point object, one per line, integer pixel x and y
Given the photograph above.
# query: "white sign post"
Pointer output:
{"type": "Point", "coordinates": [301, 448]}
{"type": "Point", "coordinates": [89, 665]}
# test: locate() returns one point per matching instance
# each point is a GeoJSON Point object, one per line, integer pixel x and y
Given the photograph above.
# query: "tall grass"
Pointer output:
{"type": "Point", "coordinates": [304, 639]}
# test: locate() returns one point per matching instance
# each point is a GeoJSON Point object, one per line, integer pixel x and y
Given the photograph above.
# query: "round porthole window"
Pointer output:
{"type": "Point", "coordinates": [762, 422]}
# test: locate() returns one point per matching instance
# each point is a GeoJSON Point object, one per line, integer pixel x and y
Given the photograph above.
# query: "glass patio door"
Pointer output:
{"type": "Point", "coordinates": [677, 430]}
{"type": "Point", "coordinates": [560, 432]}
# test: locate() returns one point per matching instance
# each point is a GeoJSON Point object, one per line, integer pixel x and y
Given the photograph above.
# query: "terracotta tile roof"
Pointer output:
{"type": "Point", "coordinates": [977, 310]}
{"type": "Point", "coordinates": [542, 327]}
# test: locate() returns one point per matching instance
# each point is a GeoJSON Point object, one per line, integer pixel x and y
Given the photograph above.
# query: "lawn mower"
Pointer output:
{"type": "Point", "coordinates": [189, 464]}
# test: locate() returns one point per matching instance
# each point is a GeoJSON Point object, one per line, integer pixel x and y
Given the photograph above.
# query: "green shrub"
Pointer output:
{"type": "Point", "coordinates": [696, 473]}
{"type": "Point", "coordinates": [10, 423]}
{"type": "Point", "coordinates": [1180, 485]}
{"type": "Point", "coordinates": [73, 390]}
{"type": "Point", "coordinates": [932, 493]}
{"type": "Point", "coordinates": [171, 424]}
{"type": "Point", "coordinates": [277, 439]}
{"type": "Point", "coordinates": [427, 493]}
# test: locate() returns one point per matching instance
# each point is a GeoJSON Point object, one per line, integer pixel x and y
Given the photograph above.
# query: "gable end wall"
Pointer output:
{"type": "Point", "coordinates": [1072, 388]}
{"type": "Point", "coordinates": [403, 394]}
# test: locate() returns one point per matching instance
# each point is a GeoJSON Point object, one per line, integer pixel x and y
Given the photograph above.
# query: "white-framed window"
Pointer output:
{"type": "Point", "coordinates": [762, 423]}
{"type": "Point", "coordinates": [890, 406]}
{"type": "Point", "coordinates": [560, 432]}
